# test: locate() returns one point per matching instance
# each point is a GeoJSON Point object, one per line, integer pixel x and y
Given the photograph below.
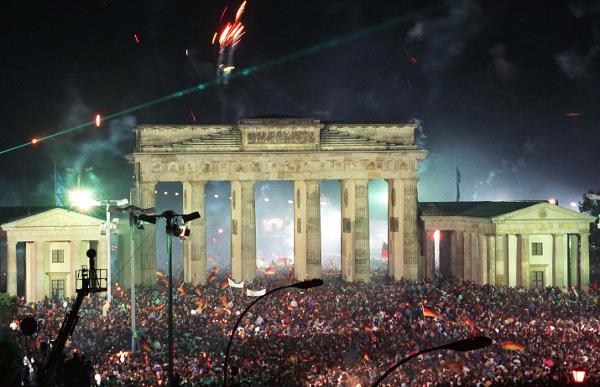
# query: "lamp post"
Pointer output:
{"type": "Point", "coordinates": [465, 345]}
{"type": "Point", "coordinates": [299, 285]}
{"type": "Point", "coordinates": [578, 375]}
{"type": "Point", "coordinates": [83, 200]}
{"type": "Point", "coordinates": [175, 226]}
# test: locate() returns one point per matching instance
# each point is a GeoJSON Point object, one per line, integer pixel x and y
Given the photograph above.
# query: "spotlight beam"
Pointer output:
{"type": "Point", "coordinates": [244, 72]}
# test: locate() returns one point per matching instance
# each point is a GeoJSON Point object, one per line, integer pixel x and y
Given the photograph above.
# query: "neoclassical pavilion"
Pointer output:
{"type": "Point", "coordinates": [519, 243]}
{"type": "Point", "coordinates": [42, 248]}
{"type": "Point", "coordinates": [301, 150]}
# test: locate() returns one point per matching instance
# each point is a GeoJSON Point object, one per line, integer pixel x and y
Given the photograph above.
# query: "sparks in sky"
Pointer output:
{"type": "Point", "coordinates": [34, 141]}
{"type": "Point", "coordinates": [228, 38]}
{"type": "Point", "coordinates": [98, 120]}
{"type": "Point", "coordinates": [573, 114]}
{"type": "Point", "coordinates": [193, 115]}
{"type": "Point", "coordinates": [136, 38]}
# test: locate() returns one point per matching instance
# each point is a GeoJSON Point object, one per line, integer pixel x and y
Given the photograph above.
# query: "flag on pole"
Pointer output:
{"type": "Point", "coordinates": [384, 251]}
{"type": "Point", "coordinates": [270, 270]}
{"type": "Point", "coordinates": [430, 313]}
{"type": "Point", "coordinates": [145, 345]}
{"type": "Point", "coordinates": [512, 346]}
{"type": "Point", "coordinates": [256, 293]}
{"type": "Point", "coordinates": [211, 277]}
{"type": "Point", "coordinates": [234, 284]}
{"type": "Point", "coordinates": [458, 180]}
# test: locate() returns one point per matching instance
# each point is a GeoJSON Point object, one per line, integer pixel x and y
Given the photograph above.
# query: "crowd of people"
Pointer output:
{"type": "Point", "coordinates": [340, 333]}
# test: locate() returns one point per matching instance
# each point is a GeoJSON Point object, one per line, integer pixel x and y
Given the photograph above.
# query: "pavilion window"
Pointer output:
{"type": "Point", "coordinates": [58, 256]}
{"type": "Point", "coordinates": [537, 248]}
{"type": "Point", "coordinates": [58, 288]}
{"type": "Point", "coordinates": [537, 279]}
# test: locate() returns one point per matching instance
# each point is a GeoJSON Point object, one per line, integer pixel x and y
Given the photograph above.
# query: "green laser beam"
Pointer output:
{"type": "Point", "coordinates": [246, 71]}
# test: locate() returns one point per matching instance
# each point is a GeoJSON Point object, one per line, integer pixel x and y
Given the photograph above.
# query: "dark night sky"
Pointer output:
{"type": "Point", "coordinates": [492, 83]}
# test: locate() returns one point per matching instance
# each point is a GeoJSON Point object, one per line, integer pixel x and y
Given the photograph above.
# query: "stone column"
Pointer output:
{"type": "Point", "coordinates": [491, 262]}
{"type": "Point", "coordinates": [523, 260]}
{"type": "Point", "coordinates": [557, 261]}
{"type": "Point", "coordinates": [11, 266]}
{"type": "Point", "coordinates": [355, 230]}
{"type": "Point", "coordinates": [194, 247]}
{"type": "Point", "coordinates": [467, 251]}
{"type": "Point", "coordinates": [411, 257]}
{"type": "Point", "coordinates": [483, 260]}
{"type": "Point", "coordinates": [42, 264]}
{"type": "Point", "coordinates": [307, 229]}
{"type": "Point", "coordinates": [475, 258]}
{"type": "Point", "coordinates": [243, 231]}
{"type": "Point", "coordinates": [76, 254]}
{"type": "Point", "coordinates": [30, 281]}
{"type": "Point", "coordinates": [501, 260]}
{"type": "Point", "coordinates": [457, 254]}
{"type": "Point", "coordinates": [584, 261]}
{"type": "Point", "coordinates": [396, 254]}
{"type": "Point", "coordinates": [573, 259]}
{"type": "Point", "coordinates": [429, 255]}
{"type": "Point", "coordinates": [145, 197]}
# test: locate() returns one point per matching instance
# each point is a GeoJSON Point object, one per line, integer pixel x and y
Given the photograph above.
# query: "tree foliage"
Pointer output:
{"type": "Point", "coordinates": [592, 207]}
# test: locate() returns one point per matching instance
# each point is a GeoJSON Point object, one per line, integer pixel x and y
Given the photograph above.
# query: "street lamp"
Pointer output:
{"type": "Point", "coordinates": [578, 375]}
{"type": "Point", "coordinates": [465, 345]}
{"type": "Point", "coordinates": [84, 200]}
{"type": "Point", "coordinates": [175, 226]}
{"type": "Point", "coordinates": [299, 285]}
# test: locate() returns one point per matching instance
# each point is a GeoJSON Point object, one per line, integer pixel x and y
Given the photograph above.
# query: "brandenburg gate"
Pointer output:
{"type": "Point", "coordinates": [301, 150]}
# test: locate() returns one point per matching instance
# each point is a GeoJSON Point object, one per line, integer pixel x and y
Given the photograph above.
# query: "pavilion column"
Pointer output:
{"type": "Point", "coordinates": [11, 266]}
{"type": "Point", "coordinates": [457, 251]}
{"type": "Point", "coordinates": [411, 258]}
{"type": "Point", "coordinates": [501, 260]}
{"type": "Point", "coordinates": [396, 254]}
{"type": "Point", "coordinates": [42, 264]}
{"type": "Point", "coordinates": [573, 259]}
{"type": "Point", "coordinates": [194, 247]}
{"type": "Point", "coordinates": [243, 231]}
{"type": "Point", "coordinates": [355, 230]}
{"type": "Point", "coordinates": [483, 260]}
{"type": "Point", "coordinates": [307, 229]}
{"type": "Point", "coordinates": [429, 264]}
{"type": "Point", "coordinates": [584, 260]}
{"type": "Point", "coordinates": [467, 256]}
{"type": "Point", "coordinates": [475, 258]}
{"type": "Point", "coordinates": [76, 254]}
{"type": "Point", "coordinates": [523, 260]}
{"type": "Point", "coordinates": [30, 282]}
{"type": "Point", "coordinates": [145, 197]}
{"type": "Point", "coordinates": [491, 261]}
{"type": "Point", "coordinates": [558, 263]}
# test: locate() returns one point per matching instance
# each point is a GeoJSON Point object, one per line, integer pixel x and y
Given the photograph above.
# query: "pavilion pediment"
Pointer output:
{"type": "Point", "coordinates": [544, 211]}
{"type": "Point", "coordinates": [57, 217]}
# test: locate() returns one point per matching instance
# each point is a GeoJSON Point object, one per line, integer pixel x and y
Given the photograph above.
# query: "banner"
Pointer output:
{"type": "Point", "coordinates": [234, 284]}
{"type": "Point", "coordinates": [256, 293]}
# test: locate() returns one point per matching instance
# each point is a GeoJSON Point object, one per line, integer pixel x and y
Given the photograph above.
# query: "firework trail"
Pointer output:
{"type": "Point", "coordinates": [228, 38]}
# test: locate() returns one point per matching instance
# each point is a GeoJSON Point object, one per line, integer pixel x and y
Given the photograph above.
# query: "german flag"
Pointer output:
{"type": "Point", "coordinates": [211, 277]}
{"type": "Point", "coordinates": [290, 275]}
{"type": "Point", "coordinates": [145, 345]}
{"type": "Point", "coordinates": [224, 284]}
{"type": "Point", "coordinates": [270, 270]}
{"type": "Point", "coordinates": [366, 356]}
{"type": "Point", "coordinates": [158, 307]}
{"type": "Point", "coordinates": [224, 301]}
{"type": "Point", "coordinates": [512, 346]}
{"type": "Point", "coordinates": [430, 313]}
